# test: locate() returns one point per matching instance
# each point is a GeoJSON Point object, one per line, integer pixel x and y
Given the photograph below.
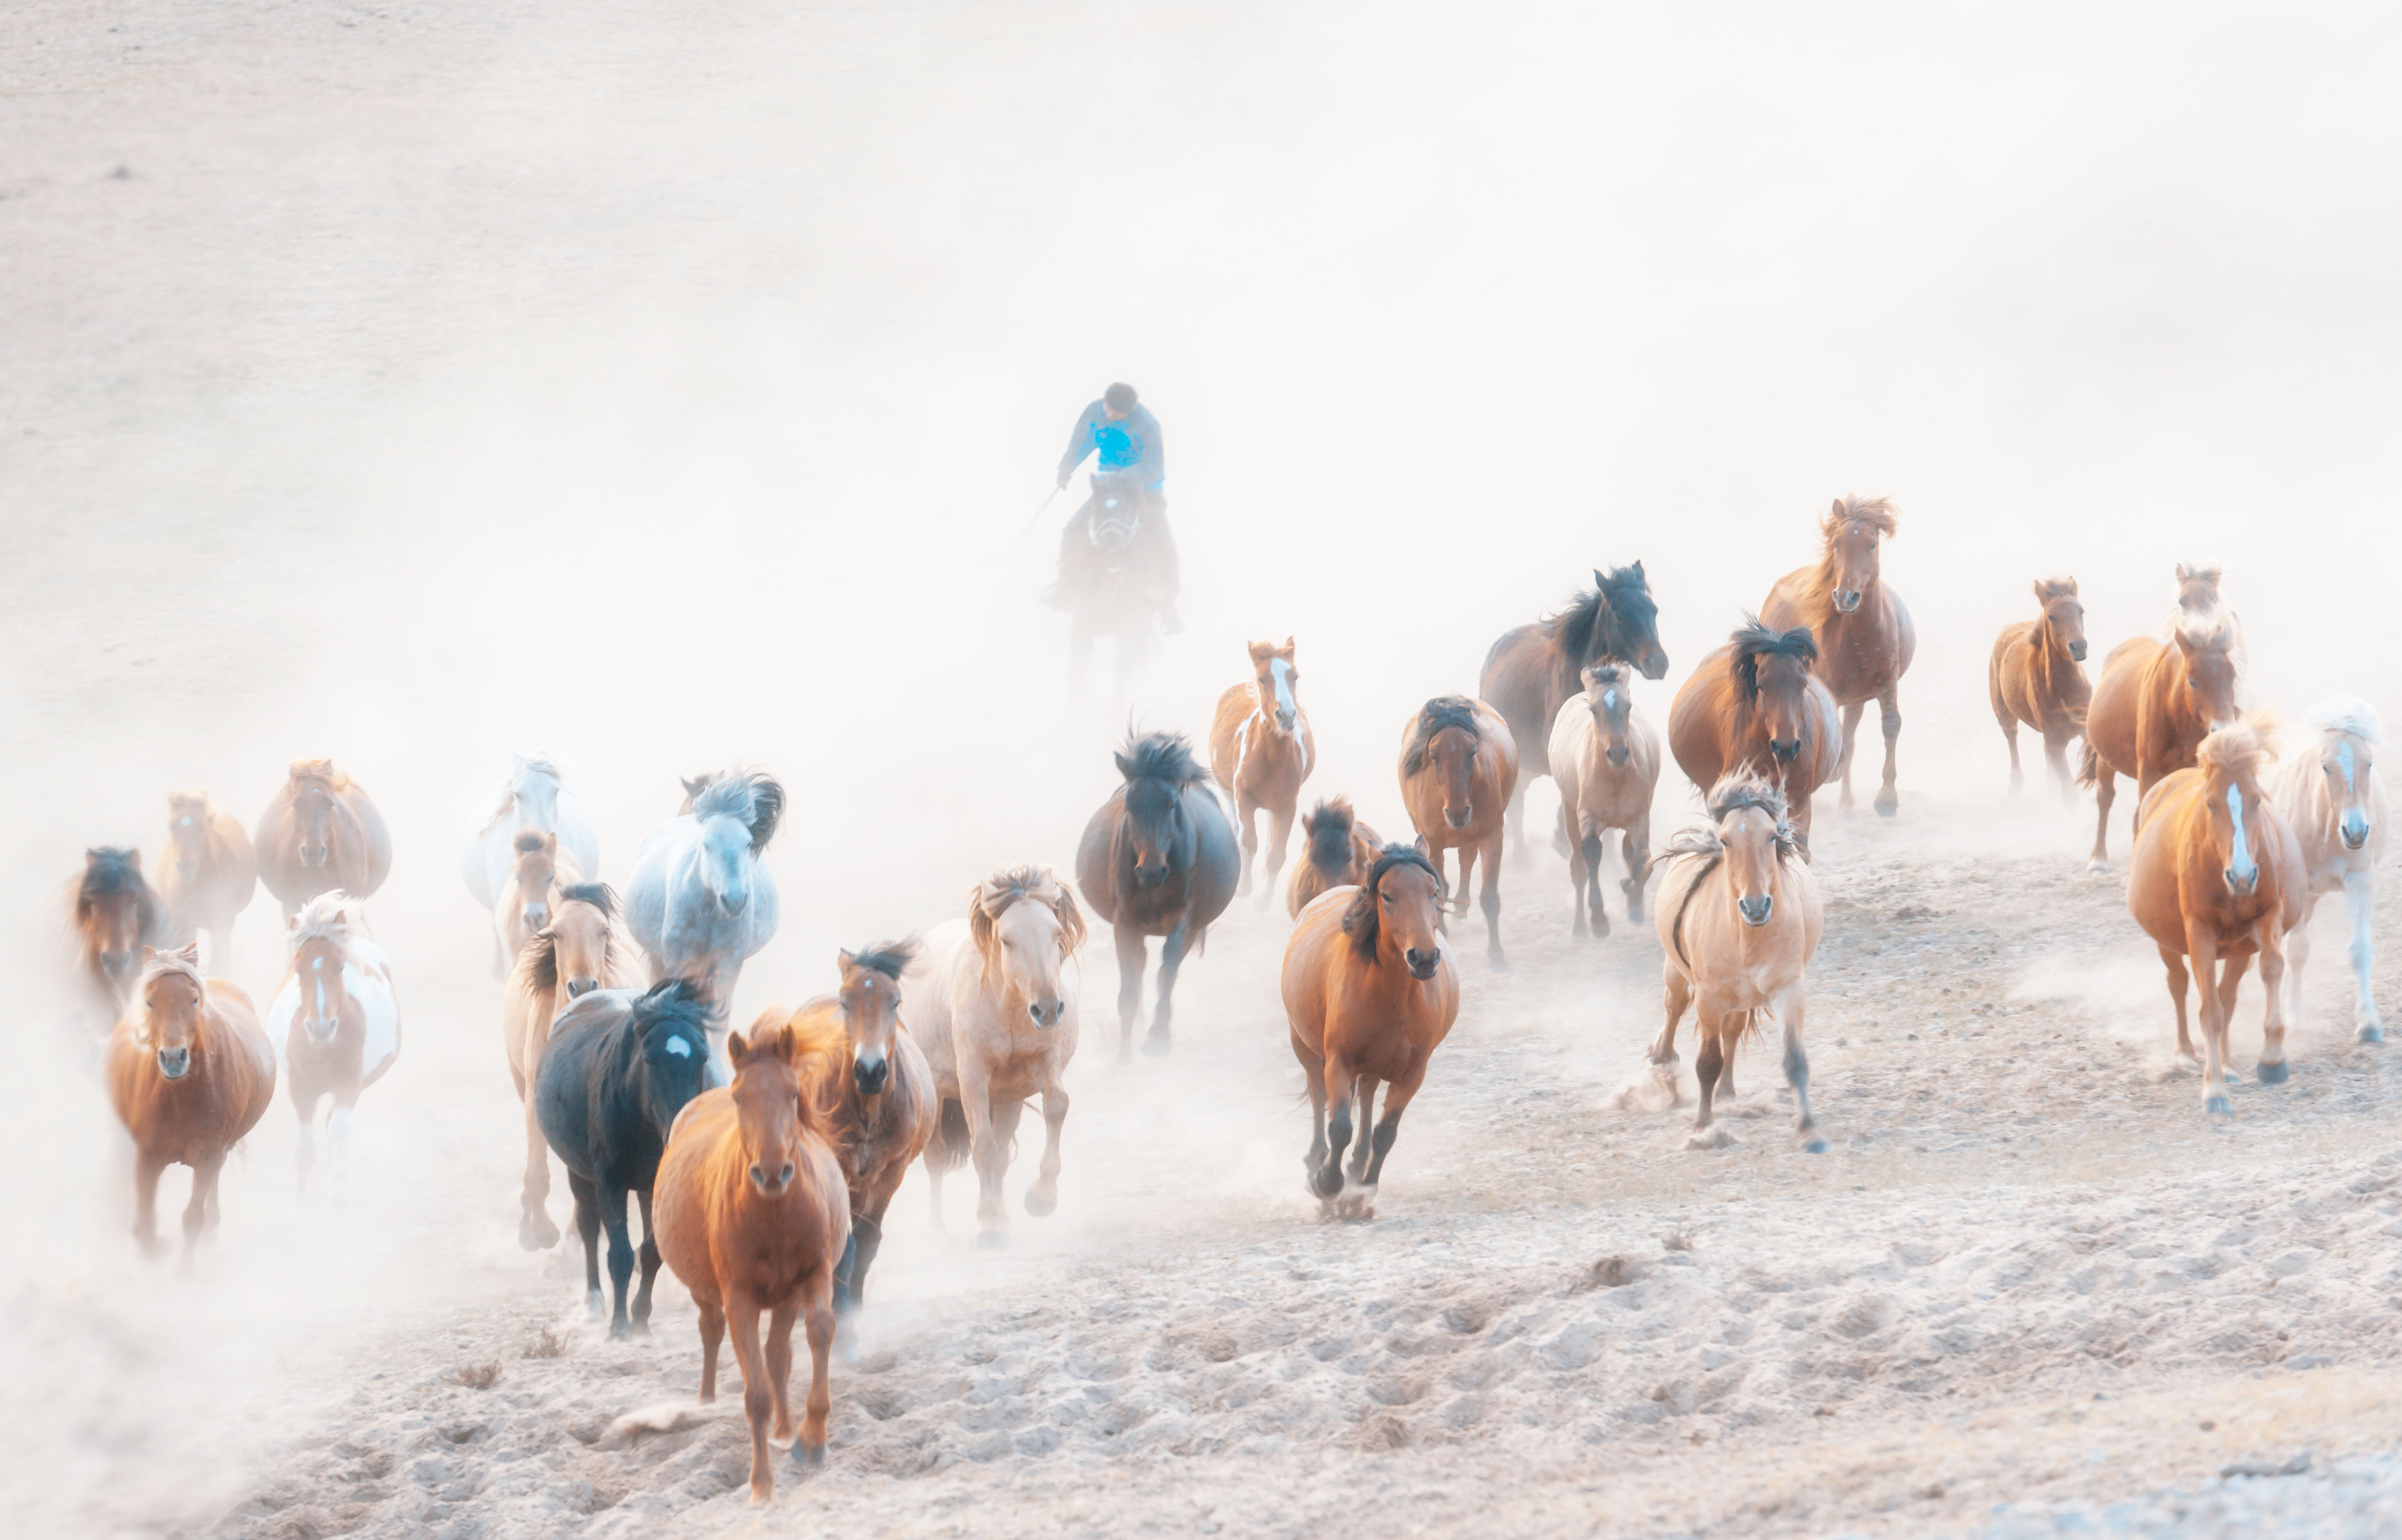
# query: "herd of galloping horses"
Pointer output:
{"type": "Point", "coordinates": [763, 1162]}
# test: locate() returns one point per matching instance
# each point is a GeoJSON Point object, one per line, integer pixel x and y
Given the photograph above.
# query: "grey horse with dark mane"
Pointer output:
{"type": "Point", "coordinates": [700, 901]}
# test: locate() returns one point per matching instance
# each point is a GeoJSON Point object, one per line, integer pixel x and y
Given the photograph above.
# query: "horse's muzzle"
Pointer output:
{"type": "Point", "coordinates": [1149, 876]}
{"type": "Point", "coordinates": [1423, 964]}
{"type": "Point", "coordinates": [1654, 665]}
{"type": "Point", "coordinates": [2356, 832]}
{"type": "Point", "coordinates": [2077, 650]}
{"type": "Point", "coordinates": [188, 868]}
{"type": "Point", "coordinates": [1617, 756]}
{"type": "Point", "coordinates": [1284, 721]}
{"type": "Point", "coordinates": [535, 915]}
{"type": "Point", "coordinates": [117, 964]}
{"type": "Point", "coordinates": [2241, 887]}
{"type": "Point", "coordinates": [577, 988]}
{"type": "Point", "coordinates": [323, 1028]}
{"type": "Point", "coordinates": [771, 1184]}
{"type": "Point", "coordinates": [1847, 602]}
{"type": "Point", "coordinates": [1756, 910]}
{"type": "Point", "coordinates": [1786, 750]}
{"type": "Point", "coordinates": [1457, 816]}
{"type": "Point", "coordinates": [312, 855]}
{"type": "Point", "coordinates": [1046, 1013]}
{"type": "Point", "coordinates": [173, 1063]}
{"type": "Point", "coordinates": [871, 1074]}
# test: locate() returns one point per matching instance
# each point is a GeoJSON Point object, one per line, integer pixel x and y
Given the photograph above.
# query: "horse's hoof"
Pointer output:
{"type": "Point", "coordinates": [2097, 864]}
{"type": "Point", "coordinates": [1040, 1203]}
{"type": "Point", "coordinates": [1325, 1183]}
{"type": "Point", "coordinates": [809, 1456]}
{"type": "Point", "coordinates": [2216, 1106]}
{"type": "Point", "coordinates": [2370, 1033]}
{"type": "Point", "coordinates": [537, 1240]}
{"type": "Point", "coordinates": [992, 1240]}
{"type": "Point", "coordinates": [1887, 809]}
{"type": "Point", "coordinates": [1812, 1145]}
{"type": "Point", "coordinates": [1499, 963]}
{"type": "Point", "coordinates": [1712, 1138]}
{"type": "Point", "coordinates": [594, 1307]}
{"type": "Point", "coordinates": [2274, 1074]}
{"type": "Point", "coordinates": [1156, 1045]}
{"type": "Point", "coordinates": [783, 1441]}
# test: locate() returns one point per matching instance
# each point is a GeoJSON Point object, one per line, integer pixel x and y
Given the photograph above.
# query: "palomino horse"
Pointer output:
{"type": "Point", "coordinates": [1606, 760]}
{"type": "Point", "coordinates": [117, 916]}
{"type": "Point", "coordinates": [2153, 705]}
{"type": "Point", "coordinates": [2216, 876]}
{"type": "Point", "coordinates": [1369, 993]}
{"type": "Point", "coordinates": [618, 1069]}
{"type": "Point", "coordinates": [871, 1092]}
{"type": "Point", "coordinates": [1862, 629]}
{"type": "Point", "coordinates": [1533, 669]}
{"type": "Point", "coordinates": [1459, 769]}
{"type": "Point", "coordinates": [2037, 677]}
{"type": "Point", "coordinates": [1755, 703]}
{"type": "Point", "coordinates": [524, 905]}
{"type": "Point", "coordinates": [336, 1021]}
{"type": "Point", "coordinates": [2329, 795]}
{"type": "Point", "coordinates": [529, 800]}
{"type": "Point", "coordinates": [753, 1218]}
{"type": "Point", "coordinates": [1118, 596]}
{"type": "Point", "coordinates": [1157, 859]}
{"type": "Point", "coordinates": [320, 835]}
{"type": "Point", "coordinates": [994, 1010]}
{"type": "Point", "coordinates": [1260, 751]}
{"type": "Point", "coordinates": [191, 1073]}
{"type": "Point", "coordinates": [1739, 919]}
{"type": "Point", "coordinates": [700, 899]}
{"type": "Point", "coordinates": [1337, 849]}
{"type": "Point", "coordinates": [578, 952]}
{"type": "Point", "coordinates": [208, 874]}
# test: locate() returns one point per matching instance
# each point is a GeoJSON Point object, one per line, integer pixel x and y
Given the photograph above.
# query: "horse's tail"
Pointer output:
{"type": "Point", "coordinates": [2088, 765]}
{"type": "Point", "coordinates": [947, 1150]}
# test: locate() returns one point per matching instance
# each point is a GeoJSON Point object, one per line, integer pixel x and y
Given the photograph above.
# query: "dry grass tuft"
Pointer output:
{"type": "Point", "coordinates": [478, 1376]}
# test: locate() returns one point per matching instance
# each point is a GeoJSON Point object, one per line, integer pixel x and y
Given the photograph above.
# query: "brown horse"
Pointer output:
{"type": "Point", "coordinates": [578, 952]}
{"type": "Point", "coordinates": [1459, 769]}
{"type": "Point", "coordinates": [1606, 762]}
{"type": "Point", "coordinates": [337, 1021]}
{"type": "Point", "coordinates": [117, 916]}
{"type": "Point", "coordinates": [2217, 877]}
{"type": "Point", "coordinates": [536, 874]}
{"type": "Point", "coordinates": [321, 833]}
{"type": "Point", "coordinates": [1337, 849]}
{"type": "Point", "coordinates": [1755, 703]}
{"type": "Point", "coordinates": [1739, 920]}
{"type": "Point", "coordinates": [1862, 629]}
{"type": "Point", "coordinates": [873, 1093]}
{"type": "Point", "coordinates": [2151, 708]}
{"type": "Point", "coordinates": [1369, 993]}
{"type": "Point", "coordinates": [191, 1073]}
{"type": "Point", "coordinates": [753, 1216]}
{"type": "Point", "coordinates": [1532, 670]}
{"type": "Point", "coordinates": [208, 874]}
{"type": "Point", "coordinates": [2037, 677]}
{"type": "Point", "coordinates": [1260, 751]}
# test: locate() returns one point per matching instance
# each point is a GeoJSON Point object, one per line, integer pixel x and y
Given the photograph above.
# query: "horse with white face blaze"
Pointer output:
{"type": "Point", "coordinates": [1606, 760]}
{"type": "Point", "coordinates": [1369, 993]}
{"type": "Point", "coordinates": [2158, 699]}
{"type": "Point", "coordinates": [2216, 878]}
{"type": "Point", "coordinates": [1863, 630]}
{"type": "Point", "coordinates": [1158, 860]}
{"type": "Point", "coordinates": [1459, 769]}
{"type": "Point", "coordinates": [117, 916]}
{"type": "Point", "coordinates": [531, 798]}
{"type": "Point", "coordinates": [578, 952]}
{"type": "Point", "coordinates": [1757, 704]}
{"type": "Point", "coordinates": [208, 874]}
{"type": "Point", "coordinates": [2036, 676]}
{"type": "Point", "coordinates": [1260, 751]}
{"type": "Point", "coordinates": [321, 834]}
{"type": "Point", "coordinates": [337, 1022]}
{"type": "Point", "coordinates": [994, 1004]}
{"type": "Point", "coordinates": [541, 868]}
{"type": "Point", "coordinates": [1739, 919]}
{"type": "Point", "coordinates": [1337, 850]}
{"type": "Point", "coordinates": [2329, 795]}
{"type": "Point", "coordinates": [700, 899]}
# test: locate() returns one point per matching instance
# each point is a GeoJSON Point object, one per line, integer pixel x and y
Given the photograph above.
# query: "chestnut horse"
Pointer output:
{"type": "Point", "coordinates": [578, 952]}
{"type": "Point", "coordinates": [190, 1072]}
{"type": "Point", "coordinates": [1157, 859]}
{"type": "Point", "coordinates": [1337, 849]}
{"type": "Point", "coordinates": [117, 916]}
{"type": "Point", "coordinates": [1459, 769]}
{"type": "Point", "coordinates": [209, 874]}
{"type": "Point", "coordinates": [1532, 670]}
{"type": "Point", "coordinates": [1739, 919]}
{"type": "Point", "coordinates": [2037, 677]}
{"type": "Point", "coordinates": [2329, 793]}
{"type": "Point", "coordinates": [1260, 751]}
{"type": "Point", "coordinates": [753, 1217]}
{"type": "Point", "coordinates": [321, 833]}
{"type": "Point", "coordinates": [1862, 629]}
{"type": "Point", "coordinates": [336, 1022]}
{"type": "Point", "coordinates": [1606, 760]}
{"type": "Point", "coordinates": [523, 905]}
{"type": "Point", "coordinates": [2151, 708]}
{"type": "Point", "coordinates": [995, 1008]}
{"type": "Point", "coordinates": [873, 1097]}
{"type": "Point", "coordinates": [1755, 703]}
{"type": "Point", "coordinates": [1369, 993]}
{"type": "Point", "coordinates": [2217, 877]}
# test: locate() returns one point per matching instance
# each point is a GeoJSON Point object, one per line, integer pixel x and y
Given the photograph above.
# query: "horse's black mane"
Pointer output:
{"type": "Point", "coordinates": [1439, 715]}
{"type": "Point", "coordinates": [718, 797]}
{"type": "Point", "coordinates": [672, 1004]}
{"type": "Point", "coordinates": [110, 873]}
{"type": "Point", "coordinates": [1753, 641]}
{"type": "Point", "coordinates": [1607, 620]}
{"type": "Point", "coordinates": [1330, 837]}
{"type": "Point", "coordinates": [599, 895]}
{"type": "Point", "coordinates": [1359, 921]}
{"type": "Point", "coordinates": [1161, 756]}
{"type": "Point", "coordinates": [1734, 792]}
{"type": "Point", "coordinates": [890, 958]}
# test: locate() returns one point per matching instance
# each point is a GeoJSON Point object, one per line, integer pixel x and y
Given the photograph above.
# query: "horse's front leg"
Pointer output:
{"type": "Point", "coordinates": [2055, 754]}
{"type": "Point", "coordinates": [1247, 814]}
{"type": "Point", "coordinates": [2011, 736]}
{"type": "Point", "coordinates": [2105, 792]}
{"type": "Point", "coordinates": [2174, 960]}
{"type": "Point", "coordinates": [987, 1151]}
{"type": "Point", "coordinates": [304, 1155]}
{"type": "Point", "coordinates": [1043, 1196]}
{"type": "Point", "coordinates": [2271, 1067]}
{"type": "Point", "coordinates": [810, 1449]}
{"type": "Point", "coordinates": [1889, 799]}
{"type": "Point", "coordinates": [1280, 821]}
{"type": "Point", "coordinates": [758, 1401]}
{"type": "Point", "coordinates": [1677, 991]}
{"type": "Point", "coordinates": [1171, 957]}
{"type": "Point", "coordinates": [1584, 851]}
{"type": "Point", "coordinates": [338, 1134]}
{"type": "Point", "coordinates": [779, 1359]}
{"type": "Point", "coordinates": [1844, 763]}
{"type": "Point", "coordinates": [535, 1232]}
{"type": "Point", "coordinates": [147, 1169]}
{"type": "Point", "coordinates": [1133, 957]}
{"type": "Point", "coordinates": [650, 1260]}
{"type": "Point", "coordinates": [2297, 953]}
{"type": "Point", "coordinates": [1313, 1069]}
{"type": "Point", "coordinates": [1489, 899]}
{"type": "Point", "coordinates": [587, 1227]}
{"type": "Point", "coordinates": [1790, 1008]}
{"type": "Point", "coordinates": [1326, 1181]}
{"type": "Point", "coordinates": [1634, 844]}
{"type": "Point", "coordinates": [2201, 947]}
{"type": "Point", "coordinates": [621, 1255]}
{"type": "Point", "coordinates": [196, 1212]}
{"type": "Point", "coordinates": [2359, 894]}
{"type": "Point", "coordinates": [1713, 1024]}
{"type": "Point", "coordinates": [1358, 1199]}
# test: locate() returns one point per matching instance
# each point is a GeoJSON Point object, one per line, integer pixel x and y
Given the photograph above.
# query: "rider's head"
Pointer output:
{"type": "Point", "coordinates": [1118, 400]}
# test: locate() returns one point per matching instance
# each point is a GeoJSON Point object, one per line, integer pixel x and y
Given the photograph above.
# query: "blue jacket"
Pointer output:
{"type": "Point", "coordinates": [1133, 441]}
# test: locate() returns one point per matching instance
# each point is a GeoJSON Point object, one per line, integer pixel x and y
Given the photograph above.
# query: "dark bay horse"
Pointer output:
{"type": "Point", "coordinates": [1369, 993]}
{"type": "Point", "coordinates": [1158, 860]}
{"type": "Point", "coordinates": [320, 833]}
{"type": "Point", "coordinates": [210, 872]}
{"type": "Point", "coordinates": [1862, 629]}
{"type": "Point", "coordinates": [2151, 708]}
{"type": "Point", "coordinates": [1459, 768]}
{"type": "Point", "coordinates": [618, 1069]}
{"type": "Point", "coordinates": [1533, 668]}
{"type": "Point", "coordinates": [2037, 677]}
{"type": "Point", "coordinates": [117, 915]}
{"type": "Point", "coordinates": [1260, 751]}
{"type": "Point", "coordinates": [1757, 702]}
{"type": "Point", "coordinates": [1337, 850]}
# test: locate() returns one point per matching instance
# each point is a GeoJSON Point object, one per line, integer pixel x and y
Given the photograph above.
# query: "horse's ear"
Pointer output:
{"type": "Point", "coordinates": [2043, 590]}
{"type": "Point", "coordinates": [135, 858]}
{"type": "Point", "coordinates": [292, 922]}
{"type": "Point", "coordinates": [1071, 921]}
{"type": "Point", "coordinates": [1420, 847]}
{"type": "Point", "coordinates": [843, 962]}
{"type": "Point", "coordinates": [1637, 568]}
{"type": "Point", "coordinates": [1125, 766]}
{"type": "Point", "coordinates": [2184, 643]}
{"type": "Point", "coordinates": [189, 952]}
{"type": "Point", "coordinates": [1601, 586]}
{"type": "Point", "coordinates": [1287, 648]}
{"type": "Point", "coordinates": [2185, 573]}
{"type": "Point", "coordinates": [738, 1050]}
{"type": "Point", "coordinates": [149, 955]}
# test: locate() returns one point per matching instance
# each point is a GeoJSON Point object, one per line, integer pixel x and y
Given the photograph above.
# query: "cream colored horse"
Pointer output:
{"type": "Point", "coordinates": [2328, 795]}
{"type": "Point", "coordinates": [1605, 759]}
{"type": "Point", "coordinates": [993, 1004]}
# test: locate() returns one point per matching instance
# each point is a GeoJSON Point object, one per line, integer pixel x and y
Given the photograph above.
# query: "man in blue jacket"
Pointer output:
{"type": "Point", "coordinates": [1124, 435]}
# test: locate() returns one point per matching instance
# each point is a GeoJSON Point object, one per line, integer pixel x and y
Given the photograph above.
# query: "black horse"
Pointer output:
{"type": "Point", "coordinates": [1158, 860]}
{"type": "Point", "coordinates": [619, 1067]}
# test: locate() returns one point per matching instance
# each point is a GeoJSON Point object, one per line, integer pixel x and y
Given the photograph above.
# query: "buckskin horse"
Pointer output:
{"type": "Point", "coordinates": [1755, 703]}
{"type": "Point", "coordinates": [1862, 629]}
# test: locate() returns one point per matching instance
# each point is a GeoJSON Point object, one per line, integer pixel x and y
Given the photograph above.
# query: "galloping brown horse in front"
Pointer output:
{"type": "Point", "coordinates": [2154, 705]}
{"type": "Point", "coordinates": [1459, 768]}
{"type": "Point", "coordinates": [1755, 703]}
{"type": "Point", "coordinates": [1337, 849]}
{"type": "Point", "coordinates": [1862, 629]}
{"type": "Point", "coordinates": [1260, 751]}
{"type": "Point", "coordinates": [2037, 677]}
{"type": "Point", "coordinates": [320, 833]}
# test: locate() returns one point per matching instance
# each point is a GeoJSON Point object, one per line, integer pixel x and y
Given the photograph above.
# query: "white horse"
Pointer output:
{"type": "Point", "coordinates": [529, 800]}
{"type": "Point", "coordinates": [699, 901]}
{"type": "Point", "coordinates": [2328, 791]}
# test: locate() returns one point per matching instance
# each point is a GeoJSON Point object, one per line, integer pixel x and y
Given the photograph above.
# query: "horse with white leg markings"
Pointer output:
{"type": "Point", "coordinates": [336, 1022]}
{"type": "Point", "coordinates": [2329, 795]}
{"type": "Point", "coordinates": [531, 798]}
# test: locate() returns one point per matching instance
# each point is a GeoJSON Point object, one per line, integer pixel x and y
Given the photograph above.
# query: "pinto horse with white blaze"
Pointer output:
{"type": "Point", "coordinates": [209, 875]}
{"type": "Point", "coordinates": [1260, 751]}
{"type": "Point", "coordinates": [337, 1022]}
{"type": "Point", "coordinates": [531, 798]}
{"type": "Point", "coordinates": [2328, 793]}
{"type": "Point", "coordinates": [1606, 762]}
{"type": "Point", "coordinates": [701, 900]}
{"type": "Point", "coordinates": [322, 834]}
{"type": "Point", "coordinates": [1158, 860]}
{"type": "Point", "coordinates": [1862, 629]}
{"type": "Point", "coordinates": [1459, 771]}
{"type": "Point", "coordinates": [578, 952]}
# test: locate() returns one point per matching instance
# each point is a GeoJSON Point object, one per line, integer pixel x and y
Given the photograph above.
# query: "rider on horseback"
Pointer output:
{"type": "Point", "coordinates": [1125, 436]}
